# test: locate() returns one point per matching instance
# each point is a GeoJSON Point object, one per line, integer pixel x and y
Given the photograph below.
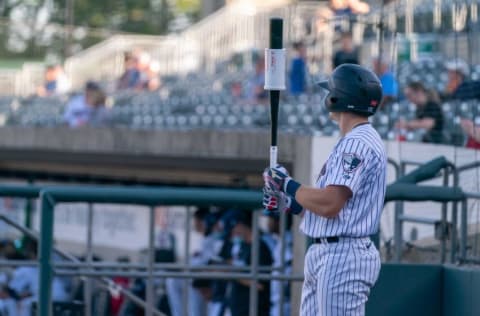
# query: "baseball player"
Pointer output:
{"type": "Point", "coordinates": [343, 209]}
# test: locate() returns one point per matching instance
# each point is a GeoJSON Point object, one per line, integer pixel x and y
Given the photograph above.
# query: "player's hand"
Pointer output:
{"type": "Point", "coordinates": [270, 202]}
{"type": "Point", "coordinates": [274, 202]}
{"type": "Point", "coordinates": [276, 178]}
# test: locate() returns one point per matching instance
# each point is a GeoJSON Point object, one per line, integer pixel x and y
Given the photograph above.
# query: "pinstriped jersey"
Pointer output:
{"type": "Point", "coordinates": [358, 161]}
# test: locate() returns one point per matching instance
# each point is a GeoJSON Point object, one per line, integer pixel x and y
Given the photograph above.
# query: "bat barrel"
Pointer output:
{"type": "Point", "coordinates": [276, 33]}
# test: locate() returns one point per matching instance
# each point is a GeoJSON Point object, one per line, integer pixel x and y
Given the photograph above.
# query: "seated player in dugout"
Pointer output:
{"type": "Point", "coordinates": [239, 295]}
{"type": "Point", "coordinates": [343, 208]}
{"type": "Point", "coordinates": [428, 116]}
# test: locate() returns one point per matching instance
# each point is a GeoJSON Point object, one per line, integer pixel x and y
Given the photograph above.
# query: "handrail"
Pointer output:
{"type": "Point", "coordinates": [105, 282]}
{"type": "Point", "coordinates": [32, 191]}
{"type": "Point", "coordinates": [136, 267]}
{"type": "Point", "coordinates": [395, 165]}
{"type": "Point", "coordinates": [468, 166]}
{"type": "Point", "coordinates": [415, 176]}
{"type": "Point", "coordinates": [143, 196]}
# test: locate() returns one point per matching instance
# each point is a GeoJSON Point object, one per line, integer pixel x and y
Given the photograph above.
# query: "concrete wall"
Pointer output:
{"type": "Point", "coordinates": [425, 290]}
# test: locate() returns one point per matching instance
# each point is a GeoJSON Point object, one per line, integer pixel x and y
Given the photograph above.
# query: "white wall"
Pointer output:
{"type": "Point", "coordinates": [398, 151]}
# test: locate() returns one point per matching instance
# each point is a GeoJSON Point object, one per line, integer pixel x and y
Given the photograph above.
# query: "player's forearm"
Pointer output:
{"type": "Point", "coordinates": [318, 201]}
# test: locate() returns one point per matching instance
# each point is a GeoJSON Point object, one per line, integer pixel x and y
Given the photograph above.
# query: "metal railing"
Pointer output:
{"type": "Point", "coordinates": [141, 196]}
{"type": "Point", "coordinates": [400, 218]}
{"type": "Point", "coordinates": [32, 192]}
{"type": "Point", "coordinates": [464, 257]}
{"type": "Point", "coordinates": [105, 282]}
{"type": "Point", "coordinates": [50, 196]}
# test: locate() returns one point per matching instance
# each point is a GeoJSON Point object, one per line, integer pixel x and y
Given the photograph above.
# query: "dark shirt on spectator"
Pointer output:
{"type": "Point", "coordinates": [467, 90]}
{"type": "Point", "coordinates": [342, 57]}
{"type": "Point", "coordinates": [239, 300]}
{"type": "Point", "coordinates": [297, 76]}
{"type": "Point", "coordinates": [432, 110]}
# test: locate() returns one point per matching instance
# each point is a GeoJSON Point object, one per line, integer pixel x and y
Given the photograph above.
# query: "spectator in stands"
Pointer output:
{"type": "Point", "coordinates": [319, 33]}
{"type": "Point", "coordinates": [88, 108]}
{"type": "Point", "coordinates": [389, 83]}
{"type": "Point", "coordinates": [322, 19]}
{"type": "Point", "coordinates": [349, 7]}
{"type": "Point", "coordinates": [56, 82]}
{"type": "Point", "coordinates": [458, 86]}
{"type": "Point", "coordinates": [429, 116]}
{"type": "Point", "coordinates": [63, 83]}
{"type": "Point", "coordinates": [153, 76]}
{"type": "Point", "coordinates": [130, 78]}
{"type": "Point", "coordinates": [298, 70]}
{"type": "Point", "coordinates": [236, 89]}
{"type": "Point", "coordinates": [239, 298]}
{"type": "Point", "coordinates": [472, 132]}
{"type": "Point", "coordinates": [143, 67]}
{"type": "Point", "coordinates": [348, 53]}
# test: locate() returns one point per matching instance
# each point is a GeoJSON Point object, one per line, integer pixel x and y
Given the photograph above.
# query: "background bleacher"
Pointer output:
{"type": "Point", "coordinates": [205, 102]}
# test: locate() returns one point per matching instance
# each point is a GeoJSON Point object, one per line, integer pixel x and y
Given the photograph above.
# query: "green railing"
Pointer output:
{"type": "Point", "coordinates": [50, 197]}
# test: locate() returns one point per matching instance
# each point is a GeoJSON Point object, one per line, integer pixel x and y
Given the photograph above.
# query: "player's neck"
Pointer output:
{"type": "Point", "coordinates": [349, 121]}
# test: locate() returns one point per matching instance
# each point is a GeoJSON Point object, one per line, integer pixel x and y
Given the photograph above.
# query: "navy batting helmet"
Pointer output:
{"type": "Point", "coordinates": [353, 88]}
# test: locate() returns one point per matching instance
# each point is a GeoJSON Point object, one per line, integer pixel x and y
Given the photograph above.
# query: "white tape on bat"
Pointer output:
{"type": "Point", "coordinates": [273, 156]}
{"type": "Point", "coordinates": [274, 69]}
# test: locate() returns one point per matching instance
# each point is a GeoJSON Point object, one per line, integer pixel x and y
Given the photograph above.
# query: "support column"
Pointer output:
{"type": "Point", "coordinates": [45, 259]}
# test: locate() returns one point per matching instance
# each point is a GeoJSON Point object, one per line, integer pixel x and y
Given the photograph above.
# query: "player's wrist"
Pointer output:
{"type": "Point", "coordinates": [291, 187]}
{"type": "Point", "coordinates": [294, 207]}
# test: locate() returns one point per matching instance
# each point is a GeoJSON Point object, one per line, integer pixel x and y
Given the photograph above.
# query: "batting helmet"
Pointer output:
{"type": "Point", "coordinates": [353, 88]}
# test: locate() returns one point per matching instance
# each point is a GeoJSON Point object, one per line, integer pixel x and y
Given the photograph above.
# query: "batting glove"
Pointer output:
{"type": "Point", "coordinates": [279, 202]}
{"type": "Point", "coordinates": [278, 180]}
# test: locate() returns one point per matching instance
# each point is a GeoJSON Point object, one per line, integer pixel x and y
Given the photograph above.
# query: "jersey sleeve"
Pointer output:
{"type": "Point", "coordinates": [348, 164]}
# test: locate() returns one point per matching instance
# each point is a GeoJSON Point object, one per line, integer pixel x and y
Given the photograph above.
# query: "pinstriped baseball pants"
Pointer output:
{"type": "Point", "coordinates": [338, 277]}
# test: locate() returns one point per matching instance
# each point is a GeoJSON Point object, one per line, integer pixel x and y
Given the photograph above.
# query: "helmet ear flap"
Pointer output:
{"type": "Point", "coordinates": [327, 100]}
{"type": "Point", "coordinates": [330, 102]}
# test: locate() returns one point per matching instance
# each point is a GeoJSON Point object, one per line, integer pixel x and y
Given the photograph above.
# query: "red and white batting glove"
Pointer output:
{"type": "Point", "coordinates": [278, 180]}
{"type": "Point", "coordinates": [274, 202]}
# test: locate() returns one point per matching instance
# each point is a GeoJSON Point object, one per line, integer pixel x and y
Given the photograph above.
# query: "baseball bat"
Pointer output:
{"type": "Point", "coordinates": [275, 80]}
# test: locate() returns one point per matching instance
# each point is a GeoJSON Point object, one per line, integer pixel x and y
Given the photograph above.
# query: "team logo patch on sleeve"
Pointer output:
{"type": "Point", "coordinates": [350, 163]}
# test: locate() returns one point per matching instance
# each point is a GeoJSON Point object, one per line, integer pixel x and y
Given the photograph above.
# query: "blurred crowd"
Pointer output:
{"type": "Point", "coordinates": [336, 22]}
{"type": "Point", "coordinates": [89, 107]}
{"type": "Point", "coordinates": [226, 241]}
